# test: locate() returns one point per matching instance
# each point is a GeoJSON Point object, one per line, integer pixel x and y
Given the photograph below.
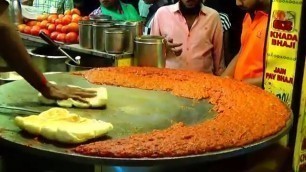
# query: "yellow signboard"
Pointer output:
{"type": "Point", "coordinates": [282, 46]}
{"type": "Point", "coordinates": [300, 146]}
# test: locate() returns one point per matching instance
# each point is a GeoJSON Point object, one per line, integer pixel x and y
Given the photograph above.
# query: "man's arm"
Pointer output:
{"type": "Point", "coordinates": [218, 56]}
{"type": "Point", "coordinates": [254, 81]}
{"type": "Point", "coordinates": [230, 70]}
{"type": "Point", "coordinates": [14, 53]}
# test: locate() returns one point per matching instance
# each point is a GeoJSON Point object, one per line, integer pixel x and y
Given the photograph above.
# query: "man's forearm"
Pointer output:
{"type": "Point", "coordinates": [254, 81]}
{"type": "Point", "coordinates": [229, 71]}
{"type": "Point", "coordinates": [14, 53]}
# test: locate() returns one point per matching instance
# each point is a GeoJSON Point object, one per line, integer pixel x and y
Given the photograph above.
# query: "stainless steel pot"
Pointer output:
{"type": "Point", "coordinates": [98, 35]}
{"type": "Point", "coordinates": [85, 33]}
{"type": "Point", "coordinates": [114, 40]}
{"type": "Point", "coordinates": [150, 51]}
{"type": "Point", "coordinates": [134, 29]}
{"type": "Point", "coordinates": [48, 59]}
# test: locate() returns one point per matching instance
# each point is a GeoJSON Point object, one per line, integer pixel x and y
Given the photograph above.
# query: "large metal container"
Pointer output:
{"type": "Point", "coordinates": [134, 29]}
{"type": "Point", "coordinates": [98, 35]}
{"type": "Point", "coordinates": [48, 59]}
{"type": "Point", "coordinates": [115, 40]}
{"type": "Point", "coordinates": [85, 33]}
{"type": "Point", "coordinates": [150, 51]}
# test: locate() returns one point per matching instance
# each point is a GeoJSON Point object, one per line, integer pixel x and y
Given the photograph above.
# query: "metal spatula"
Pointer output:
{"type": "Point", "coordinates": [18, 109]}
{"type": "Point", "coordinates": [46, 38]}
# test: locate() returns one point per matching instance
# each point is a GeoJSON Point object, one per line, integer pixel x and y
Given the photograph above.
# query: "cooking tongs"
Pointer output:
{"type": "Point", "coordinates": [52, 43]}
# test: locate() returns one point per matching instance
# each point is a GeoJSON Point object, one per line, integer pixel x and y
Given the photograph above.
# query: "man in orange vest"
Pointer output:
{"type": "Point", "coordinates": [247, 65]}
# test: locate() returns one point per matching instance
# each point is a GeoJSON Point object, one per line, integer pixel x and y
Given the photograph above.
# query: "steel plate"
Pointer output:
{"type": "Point", "coordinates": [129, 110]}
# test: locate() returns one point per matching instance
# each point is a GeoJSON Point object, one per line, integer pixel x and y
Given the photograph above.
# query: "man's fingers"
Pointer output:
{"type": "Point", "coordinates": [173, 45]}
{"type": "Point", "coordinates": [170, 40]}
{"type": "Point", "coordinates": [177, 51]}
{"type": "Point", "coordinates": [83, 92]}
{"type": "Point", "coordinates": [86, 94]}
{"type": "Point", "coordinates": [79, 99]}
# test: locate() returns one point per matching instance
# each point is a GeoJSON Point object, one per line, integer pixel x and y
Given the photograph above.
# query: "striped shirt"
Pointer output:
{"type": "Point", "coordinates": [226, 24]}
{"type": "Point", "coordinates": [53, 6]}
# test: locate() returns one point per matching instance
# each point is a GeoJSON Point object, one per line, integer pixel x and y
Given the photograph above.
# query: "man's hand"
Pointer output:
{"type": "Point", "coordinates": [254, 81]}
{"type": "Point", "coordinates": [175, 48]}
{"type": "Point", "coordinates": [52, 91]}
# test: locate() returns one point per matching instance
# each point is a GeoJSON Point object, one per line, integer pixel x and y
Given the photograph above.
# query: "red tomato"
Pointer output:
{"type": "Point", "coordinates": [47, 32]}
{"type": "Point", "coordinates": [58, 21]}
{"type": "Point", "coordinates": [52, 18]}
{"type": "Point", "coordinates": [42, 17]}
{"type": "Point", "coordinates": [59, 28]}
{"type": "Point", "coordinates": [66, 20]}
{"type": "Point", "coordinates": [76, 18]}
{"type": "Point", "coordinates": [61, 37]}
{"type": "Point", "coordinates": [73, 27]}
{"type": "Point", "coordinates": [64, 29]}
{"type": "Point", "coordinates": [76, 11]}
{"type": "Point", "coordinates": [21, 27]}
{"type": "Point", "coordinates": [32, 23]}
{"type": "Point", "coordinates": [67, 12]}
{"type": "Point", "coordinates": [51, 27]}
{"type": "Point", "coordinates": [60, 16]}
{"type": "Point", "coordinates": [44, 24]}
{"type": "Point", "coordinates": [35, 30]}
{"type": "Point", "coordinates": [27, 30]}
{"type": "Point", "coordinates": [71, 37]}
{"type": "Point", "coordinates": [53, 35]}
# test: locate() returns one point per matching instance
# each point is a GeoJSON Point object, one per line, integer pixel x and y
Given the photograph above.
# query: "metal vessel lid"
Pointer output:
{"type": "Point", "coordinates": [119, 22]}
{"type": "Point", "coordinates": [100, 17]}
{"type": "Point", "coordinates": [86, 22]}
{"type": "Point", "coordinates": [103, 24]}
{"type": "Point", "coordinates": [149, 37]}
{"type": "Point", "coordinates": [115, 30]}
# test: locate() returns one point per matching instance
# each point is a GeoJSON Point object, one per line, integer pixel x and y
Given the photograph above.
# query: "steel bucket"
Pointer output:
{"type": "Point", "coordinates": [150, 51]}
{"type": "Point", "coordinates": [85, 34]}
{"type": "Point", "coordinates": [133, 30]}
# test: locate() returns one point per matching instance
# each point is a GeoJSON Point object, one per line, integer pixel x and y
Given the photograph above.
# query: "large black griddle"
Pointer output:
{"type": "Point", "coordinates": [129, 110]}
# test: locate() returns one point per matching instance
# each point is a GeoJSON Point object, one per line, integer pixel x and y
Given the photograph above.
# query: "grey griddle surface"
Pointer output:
{"type": "Point", "coordinates": [129, 110]}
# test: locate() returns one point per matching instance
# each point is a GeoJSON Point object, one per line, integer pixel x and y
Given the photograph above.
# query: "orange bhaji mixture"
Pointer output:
{"type": "Point", "coordinates": [245, 114]}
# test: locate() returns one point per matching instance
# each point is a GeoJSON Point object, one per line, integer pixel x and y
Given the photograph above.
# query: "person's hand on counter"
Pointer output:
{"type": "Point", "coordinates": [175, 48]}
{"type": "Point", "coordinates": [52, 91]}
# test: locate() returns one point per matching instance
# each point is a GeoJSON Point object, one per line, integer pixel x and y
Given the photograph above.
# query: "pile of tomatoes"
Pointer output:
{"type": "Point", "coordinates": [62, 27]}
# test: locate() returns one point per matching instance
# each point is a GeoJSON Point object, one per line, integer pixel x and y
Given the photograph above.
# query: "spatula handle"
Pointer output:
{"type": "Point", "coordinates": [46, 38]}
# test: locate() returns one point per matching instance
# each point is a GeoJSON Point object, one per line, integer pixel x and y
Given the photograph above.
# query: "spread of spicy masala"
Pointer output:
{"type": "Point", "coordinates": [245, 114]}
